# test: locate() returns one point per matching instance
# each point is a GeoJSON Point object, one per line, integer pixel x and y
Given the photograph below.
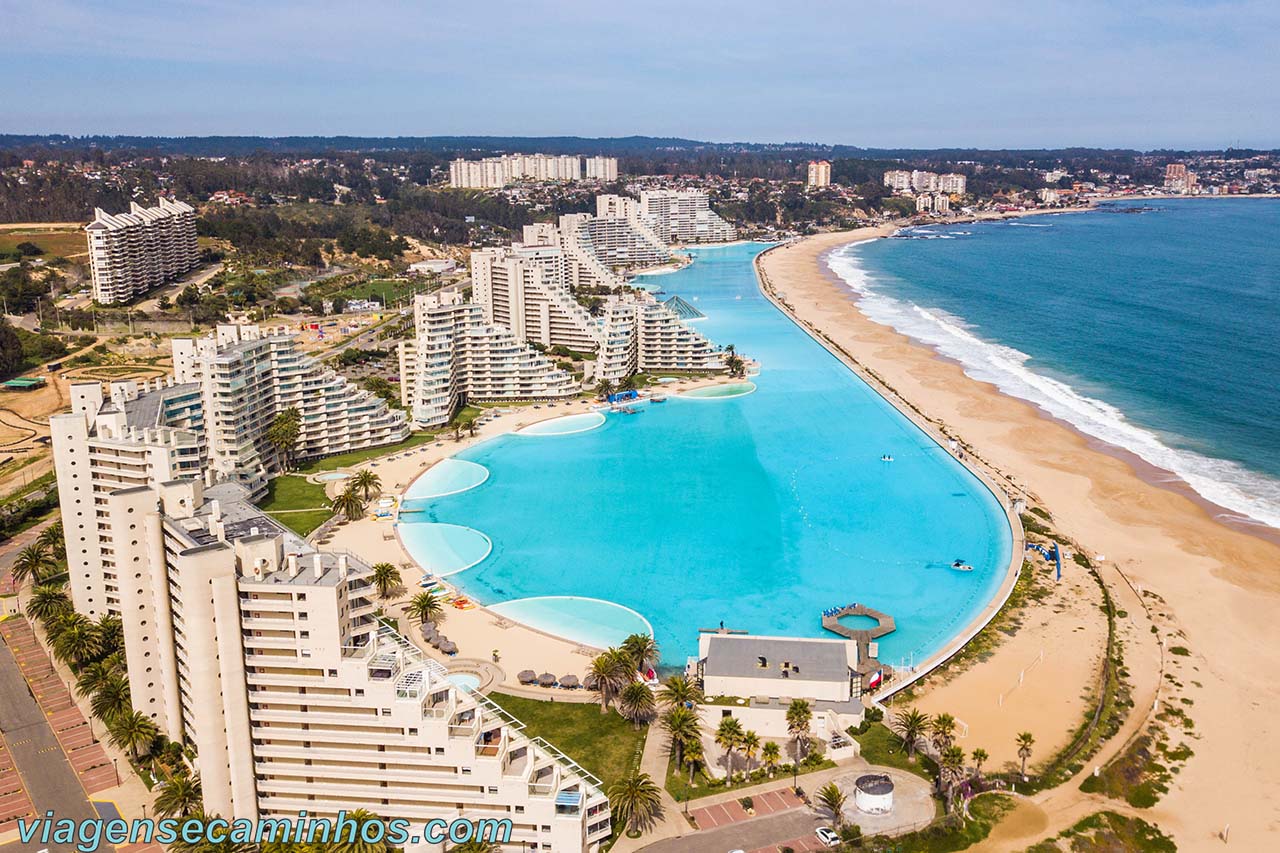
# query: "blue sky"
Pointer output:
{"type": "Point", "coordinates": [921, 73]}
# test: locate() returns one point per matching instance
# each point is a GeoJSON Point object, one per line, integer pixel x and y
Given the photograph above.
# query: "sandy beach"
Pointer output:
{"type": "Point", "coordinates": [1217, 587]}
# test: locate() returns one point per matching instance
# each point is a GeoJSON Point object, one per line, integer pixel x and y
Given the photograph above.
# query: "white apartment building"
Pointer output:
{"type": "Point", "coordinates": [898, 180]}
{"type": "Point", "coordinates": [684, 216]}
{"type": "Point", "coordinates": [819, 174]}
{"type": "Point", "coordinates": [639, 333]}
{"type": "Point", "coordinates": [247, 377]}
{"type": "Point", "coordinates": [130, 253]}
{"type": "Point", "coordinates": [268, 658]}
{"type": "Point", "coordinates": [525, 289]}
{"type": "Point", "coordinates": [492, 172]}
{"type": "Point", "coordinates": [924, 182]}
{"type": "Point", "coordinates": [953, 183]}
{"type": "Point", "coordinates": [601, 168]}
{"type": "Point", "coordinates": [456, 357]}
{"type": "Point", "coordinates": [105, 443]}
{"type": "Point", "coordinates": [933, 203]}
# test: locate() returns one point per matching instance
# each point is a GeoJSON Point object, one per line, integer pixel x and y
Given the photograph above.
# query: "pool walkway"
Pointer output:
{"type": "Point", "coordinates": [869, 666]}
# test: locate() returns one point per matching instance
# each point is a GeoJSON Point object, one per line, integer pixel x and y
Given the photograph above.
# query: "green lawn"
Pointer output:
{"type": "Point", "coordinates": [953, 833]}
{"type": "Point", "coordinates": [295, 503]}
{"type": "Point", "coordinates": [605, 744]}
{"type": "Point", "coordinates": [677, 782]}
{"type": "Point", "coordinates": [304, 521]}
{"type": "Point", "coordinates": [355, 457]}
{"type": "Point", "coordinates": [290, 491]}
{"type": "Point", "coordinates": [54, 243]}
{"type": "Point", "coordinates": [883, 747]}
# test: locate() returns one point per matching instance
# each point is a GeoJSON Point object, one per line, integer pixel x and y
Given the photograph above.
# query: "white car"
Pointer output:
{"type": "Point", "coordinates": [827, 836]}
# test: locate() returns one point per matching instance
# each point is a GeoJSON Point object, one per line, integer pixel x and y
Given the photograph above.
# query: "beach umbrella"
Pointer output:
{"type": "Point", "coordinates": [449, 647]}
{"type": "Point", "coordinates": [436, 640]}
{"type": "Point", "coordinates": [569, 681]}
{"type": "Point", "coordinates": [590, 682]}
{"type": "Point", "coordinates": [546, 680]}
{"type": "Point", "coordinates": [430, 634]}
{"type": "Point", "coordinates": [527, 676]}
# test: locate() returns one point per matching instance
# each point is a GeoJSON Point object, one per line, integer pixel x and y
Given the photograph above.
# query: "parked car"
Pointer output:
{"type": "Point", "coordinates": [827, 836]}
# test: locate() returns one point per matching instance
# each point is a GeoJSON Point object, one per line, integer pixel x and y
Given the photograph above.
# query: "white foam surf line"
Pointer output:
{"type": "Point", "coordinates": [1223, 482]}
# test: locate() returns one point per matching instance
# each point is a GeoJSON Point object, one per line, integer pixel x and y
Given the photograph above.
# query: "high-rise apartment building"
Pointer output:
{"type": "Point", "coordinates": [898, 180]}
{"type": "Point", "coordinates": [267, 657]}
{"type": "Point", "coordinates": [684, 216]}
{"type": "Point", "coordinates": [1178, 179]}
{"type": "Point", "coordinates": [526, 290]}
{"type": "Point", "coordinates": [819, 174]}
{"type": "Point", "coordinates": [492, 172]}
{"type": "Point", "coordinates": [601, 168]}
{"type": "Point", "coordinates": [457, 357]}
{"type": "Point", "coordinates": [924, 182]}
{"type": "Point", "coordinates": [952, 182]}
{"type": "Point", "coordinates": [248, 376]}
{"type": "Point", "coordinates": [130, 253]}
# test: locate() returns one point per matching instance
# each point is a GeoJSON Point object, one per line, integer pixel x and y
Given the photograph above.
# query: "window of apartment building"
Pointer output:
{"type": "Point", "coordinates": [493, 789]}
{"type": "Point", "coordinates": [466, 771]}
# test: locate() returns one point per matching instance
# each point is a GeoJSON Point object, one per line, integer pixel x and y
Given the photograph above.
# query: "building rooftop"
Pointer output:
{"type": "Point", "coordinates": [739, 656]}
{"type": "Point", "coordinates": [144, 410]}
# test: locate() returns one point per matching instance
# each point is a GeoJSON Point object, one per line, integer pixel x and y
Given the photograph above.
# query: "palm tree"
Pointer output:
{"type": "Point", "coordinates": [831, 798]}
{"type": "Point", "coordinates": [352, 842]}
{"type": "Point", "coordinates": [386, 578]}
{"type": "Point", "coordinates": [47, 603]}
{"type": "Point", "coordinates": [180, 796]}
{"type": "Point", "coordinates": [693, 757]}
{"type": "Point", "coordinates": [728, 737]}
{"type": "Point", "coordinates": [612, 671]}
{"type": "Point", "coordinates": [950, 769]}
{"type": "Point", "coordinates": [54, 541]}
{"type": "Point", "coordinates": [604, 388]}
{"type": "Point", "coordinates": [910, 725]}
{"type": "Point", "coordinates": [681, 725]}
{"type": "Point", "coordinates": [635, 800]}
{"type": "Point", "coordinates": [979, 757]}
{"type": "Point", "coordinates": [770, 754]}
{"type": "Point", "coordinates": [678, 691]}
{"type": "Point", "coordinates": [110, 634]}
{"type": "Point", "coordinates": [32, 564]}
{"type": "Point", "coordinates": [92, 677]}
{"type": "Point", "coordinates": [750, 744]}
{"type": "Point", "coordinates": [283, 433]}
{"type": "Point", "coordinates": [799, 716]}
{"type": "Point", "coordinates": [425, 607]}
{"type": "Point", "coordinates": [203, 845]}
{"type": "Point", "coordinates": [133, 731]}
{"type": "Point", "coordinates": [77, 640]}
{"type": "Point", "coordinates": [636, 703]}
{"type": "Point", "coordinates": [348, 503]}
{"type": "Point", "coordinates": [111, 700]}
{"type": "Point", "coordinates": [1025, 741]}
{"type": "Point", "coordinates": [366, 483]}
{"type": "Point", "coordinates": [641, 648]}
{"type": "Point", "coordinates": [942, 731]}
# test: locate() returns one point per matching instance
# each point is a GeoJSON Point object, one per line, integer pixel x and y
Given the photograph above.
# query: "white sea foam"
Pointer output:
{"type": "Point", "coordinates": [1226, 483]}
{"type": "Point", "coordinates": [1032, 224]}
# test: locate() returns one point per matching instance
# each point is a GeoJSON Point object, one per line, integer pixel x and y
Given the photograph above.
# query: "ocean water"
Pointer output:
{"type": "Point", "coordinates": [758, 510]}
{"type": "Point", "coordinates": [1154, 331]}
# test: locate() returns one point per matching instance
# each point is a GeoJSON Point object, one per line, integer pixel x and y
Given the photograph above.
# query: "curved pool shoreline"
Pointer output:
{"type": "Point", "coordinates": [986, 594]}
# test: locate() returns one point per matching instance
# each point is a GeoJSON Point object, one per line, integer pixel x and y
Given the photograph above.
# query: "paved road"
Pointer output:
{"type": "Point", "coordinates": [45, 770]}
{"type": "Point", "coordinates": [756, 834]}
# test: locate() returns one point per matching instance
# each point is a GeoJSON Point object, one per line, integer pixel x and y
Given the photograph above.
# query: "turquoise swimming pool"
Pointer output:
{"type": "Point", "coordinates": [583, 620]}
{"type": "Point", "coordinates": [757, 510]}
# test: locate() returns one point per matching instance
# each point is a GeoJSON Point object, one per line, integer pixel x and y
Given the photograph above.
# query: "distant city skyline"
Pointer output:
{"type": "Point", "coordinates": [989, 74]}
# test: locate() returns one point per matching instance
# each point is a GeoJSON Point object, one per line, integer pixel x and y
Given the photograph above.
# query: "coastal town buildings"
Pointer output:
{"type": "Point", "coordinates": [457, 357]}
{"type": "Point", "coordinates": [898, 180]}
{"type": "Point", "coordinates": [526, 289]}
{"type": "Point", "coordinates": [684, 216]}
{"type": "Point", "coordinates": [267, 658]}
{"type": "Point", "coordinates": [933, 203]}
{"type": "Point", "coordinates": [131, 253]}
{"type": "Point", "coordinates": [819, 174]}
{"type": "Point", "coordinates": [492, 172]}
{"type": "Point", "coordinates": [953, 183]}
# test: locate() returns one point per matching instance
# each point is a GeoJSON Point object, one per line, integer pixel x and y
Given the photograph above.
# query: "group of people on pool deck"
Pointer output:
{"type": "Point", "coordinates": [835, 611]}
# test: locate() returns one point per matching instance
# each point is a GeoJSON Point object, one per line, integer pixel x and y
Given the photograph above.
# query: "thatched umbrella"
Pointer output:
{"type": "Point", "coordinates": [547, 680]}
{"type": "Point", "coordinates": [437, 640]}
{"type": "Point", "coordinates": [449, 647]}
{"type": "Point", "coordinates": [430, 634]}
{"type": "Point", "coordinates": [569, 681]}
{"type": "Point", "coordinates": [590, 682]}
{"type": "Point", "coordinates": [527, 676]}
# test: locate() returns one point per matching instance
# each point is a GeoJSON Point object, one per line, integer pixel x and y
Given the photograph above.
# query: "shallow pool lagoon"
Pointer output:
{"type": "Point", "coordinates": [757, 511]}
{"type": "Point", "coordinates": [583, 620]}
